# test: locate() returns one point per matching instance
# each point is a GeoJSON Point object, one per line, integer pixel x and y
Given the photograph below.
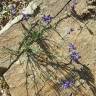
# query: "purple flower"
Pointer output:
{"type": "Point", "coordinates": [47, 19]}
{"type": "Point", "coordinates": [25, 17]}
{"type": "Point", "coordinates": [72, 47]}
{"type": "Point", "coordinates": [75, 56]}
{"type": "Point", "coordinates": [67, 84]}
{"type": "Point", "coordinates": [13, 12]}
{"type": "Point", "coordinates": [73, 5]}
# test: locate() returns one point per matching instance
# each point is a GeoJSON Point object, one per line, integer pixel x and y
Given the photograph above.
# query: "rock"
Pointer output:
{"type": "Point", "coordinates": [16, 76]}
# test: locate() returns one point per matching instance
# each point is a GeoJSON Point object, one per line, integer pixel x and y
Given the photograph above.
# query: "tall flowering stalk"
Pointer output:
{"type": "Point", "coordinates": [74, 54]}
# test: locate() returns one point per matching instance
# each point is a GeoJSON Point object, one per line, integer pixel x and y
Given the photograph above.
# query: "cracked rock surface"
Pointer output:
{"type": "Point", "coordinates": [85, 42]}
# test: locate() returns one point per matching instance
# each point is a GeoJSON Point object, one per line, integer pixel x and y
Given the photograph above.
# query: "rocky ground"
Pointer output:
{"type": "Point", "coordinates": [77, 27]}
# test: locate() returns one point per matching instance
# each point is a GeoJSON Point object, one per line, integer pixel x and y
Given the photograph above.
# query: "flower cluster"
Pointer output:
{"type": "Point", "coordinates": [25, 17]}
{"type": "Point", "coordinates": [47, 19]}
{"type": "Point", "coordinates": [67, 84]}
{"type": "Point", "coordinates": [74, 55]}
{"type": "Point", "coordinates": [72, 47]}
